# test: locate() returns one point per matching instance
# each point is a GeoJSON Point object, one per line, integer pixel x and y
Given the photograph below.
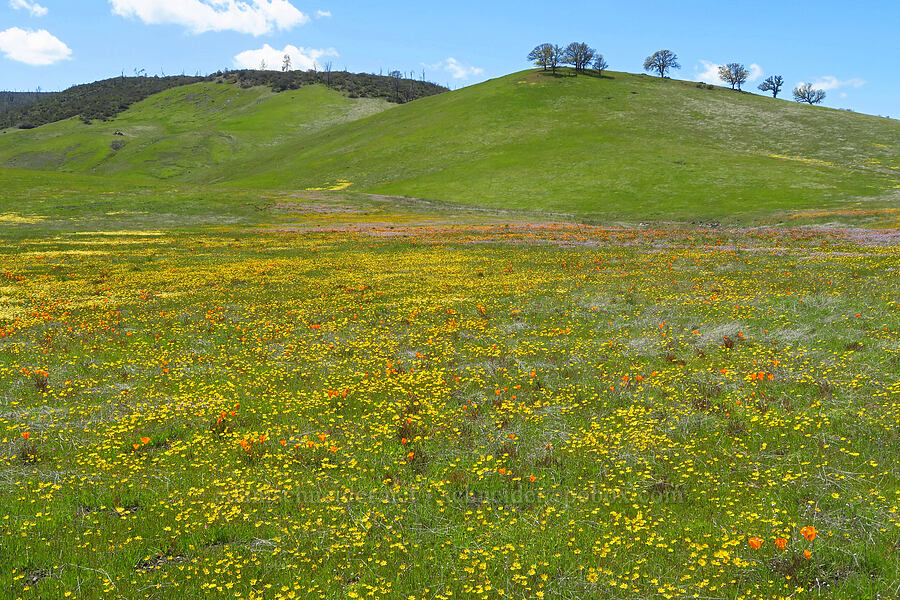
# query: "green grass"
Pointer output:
{"type": "Point", "coordinates": [437, 399]}
{"type": "Point", "coordinates": [493, 352]}
{"type": "Point", "coordinates": [185, 134]}
{"type": "Point", "coordinates": [624, 147]}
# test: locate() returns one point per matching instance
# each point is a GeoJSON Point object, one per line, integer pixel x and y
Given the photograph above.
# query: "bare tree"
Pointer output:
{"type": "Point", "coordinates": [286, 65]}
{"type": "Point", "coordinates": [805, 92]}
{"type": "Point", "coordinates": [262, 66]}
{"type": "Point", "coordinates": [772, 84]}
{"type": "Point", "coordinates": [396, 79]}
{"type": "Point", "coordinates": [662, 61]}
{"type": "Point", "coordinates": [734, 74]}
{"type": "Point", "coordinates": [579, 55]}
{"type": "Point", "coordinates": [600, 64]}
{"type": "Point", "coordinates": [327, 69]}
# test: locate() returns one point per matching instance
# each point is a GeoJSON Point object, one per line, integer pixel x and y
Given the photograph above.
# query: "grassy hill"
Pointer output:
{"type": "Point", "coordinates": [104, 100]}
{"type": "Point", "coordinates": [621, 146]}
{"type": "Point", "coordinates": [98, 100]}
{"type": "Point", "coordinates": [184, 132]}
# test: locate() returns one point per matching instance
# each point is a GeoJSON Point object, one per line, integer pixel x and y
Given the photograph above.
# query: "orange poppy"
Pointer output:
{"type": "Point", "coordinates": [135, 446]}
{"type": "Point", "coordinates": [532, 478]}
{"type": "Point", "coordinates": [809, 532]}
{"type": "Point", "coordinates": [26, 435]}
{"type": "Point", "coordinates": [755, 543]}
{"type": "Point", "coordinates": [145, 440]}
{"type": "Point", "coordinates": [781, 543]}
{"type": "Point", "coordinates": [807, 554]}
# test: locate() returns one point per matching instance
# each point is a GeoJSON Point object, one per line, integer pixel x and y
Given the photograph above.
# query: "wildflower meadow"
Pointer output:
{"type": "Point", "coordinates": [313, 398]}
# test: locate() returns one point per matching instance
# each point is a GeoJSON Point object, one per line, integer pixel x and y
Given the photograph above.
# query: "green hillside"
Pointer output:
{"type": "Point", "coordinates": [628, 145]}
{"type": "Point", "coordinates": [621, 146]}
{"type": "Point", "coordinates": [184, 132]}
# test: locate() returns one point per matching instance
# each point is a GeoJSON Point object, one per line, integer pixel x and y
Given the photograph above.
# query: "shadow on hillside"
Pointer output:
{"type": "Point", "coordinates": [567, 73]}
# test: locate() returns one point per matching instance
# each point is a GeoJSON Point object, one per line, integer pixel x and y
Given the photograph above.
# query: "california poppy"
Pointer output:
{"type": "Point", "coordinates": [755, 543]}
{"type": "Point", "coordinates": [807, 554]}
{"type": "Point", "coordinates": [809, 532]}
{"type": "Point", "coordinates": [145, 440]}
{"type": "Point", "coordinates": [26, 435]}
{"type": "Point", "coordinates": [781, 543]}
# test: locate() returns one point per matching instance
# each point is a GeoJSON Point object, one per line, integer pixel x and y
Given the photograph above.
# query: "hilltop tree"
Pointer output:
{"type": "Point", "coordinates": [556, 57]}
{"type": "Point", "coordinates": [286, 65]}
{"type": "Point", "coordinates": [805, 92]}
{"type": "Point", "coordinates": [772, 84]}
{"type": "Point", "coordinates": [579, 55]}
{"type": "Point", "coordinates": [600, 64]}
{"type": "Point", "coordinates": [541, 54]}
{"type": "Point", "coordinates": [662, 61]}
{"type": "Point", "coordinates": [734, 74]}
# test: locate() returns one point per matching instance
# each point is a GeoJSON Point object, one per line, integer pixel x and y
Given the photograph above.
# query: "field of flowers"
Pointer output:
{"type": "Point", "coordinates": [444, 411]}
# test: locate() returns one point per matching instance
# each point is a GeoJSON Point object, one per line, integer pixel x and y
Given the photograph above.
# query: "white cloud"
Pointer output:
{"type": "Point", "coordinates": [756, 72]}
{"type": "Point", "coordinates": [710, 72]}
{"type": "Point", "coordinates": [255, 17]}
{"type": "Point", "coordinates": [302, 59]}
{"type": "Point", "coordinates": [323, 14]}
{"type": "Point", "coordinates": [34, 8]}
{"type": "Point", "coordinates": [36, 48]}
{"type": "Point", "coordinates": [830, 82]}
{"type": "Point", "coordinates": [456, 69]}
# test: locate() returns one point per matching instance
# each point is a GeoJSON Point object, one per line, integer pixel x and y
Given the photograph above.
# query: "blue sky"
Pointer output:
{"type": "Point", "coordinates": [846, 48]}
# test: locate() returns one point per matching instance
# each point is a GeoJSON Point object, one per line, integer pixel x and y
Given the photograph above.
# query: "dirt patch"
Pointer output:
{"type": "Point", "coordinates": [307, 208]}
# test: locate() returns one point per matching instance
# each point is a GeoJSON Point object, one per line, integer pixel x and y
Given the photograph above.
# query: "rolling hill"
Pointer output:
{"type": "Point", "coordinates": [184, 132]}
{"type": "Point", "coordinates": [619, 146]}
